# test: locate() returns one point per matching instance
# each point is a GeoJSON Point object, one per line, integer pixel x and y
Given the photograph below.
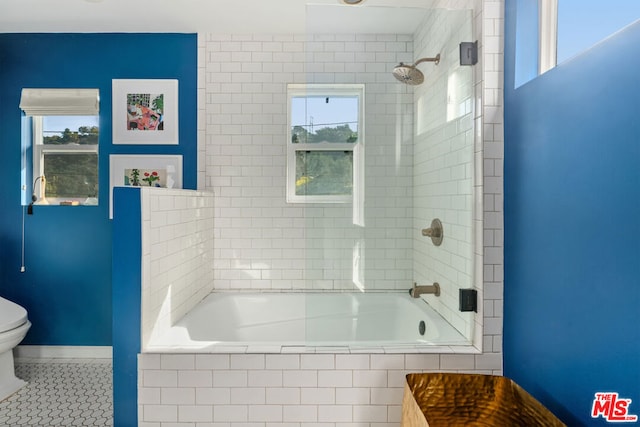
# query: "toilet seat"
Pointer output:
{"type": "Point", "coordinates": [11, 315]}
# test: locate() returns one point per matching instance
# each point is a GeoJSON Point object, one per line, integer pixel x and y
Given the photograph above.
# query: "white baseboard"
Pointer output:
{"type": "Point", "coordinates": [62, 351]}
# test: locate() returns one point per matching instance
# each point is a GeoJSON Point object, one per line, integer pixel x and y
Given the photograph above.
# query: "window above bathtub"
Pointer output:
{"type": "Point", "coordinates": [324, 143]}
{"type": "Point", "coordinates": [64, 144]}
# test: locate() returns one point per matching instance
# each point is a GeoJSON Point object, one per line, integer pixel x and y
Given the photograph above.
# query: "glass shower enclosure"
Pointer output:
{"type": "Point", "coordinates": [372, 160]}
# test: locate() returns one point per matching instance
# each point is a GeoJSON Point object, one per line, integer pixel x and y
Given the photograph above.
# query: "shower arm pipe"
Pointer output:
{"type": "Point", "coordinates": [435, 59]}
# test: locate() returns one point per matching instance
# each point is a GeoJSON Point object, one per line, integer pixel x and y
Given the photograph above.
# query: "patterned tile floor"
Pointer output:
{"type": "Point", "coordinates": [61, 392]}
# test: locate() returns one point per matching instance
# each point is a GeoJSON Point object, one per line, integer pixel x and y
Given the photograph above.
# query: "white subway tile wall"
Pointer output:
{"type": "Point", "coordinates": [261, 241]}
{"type": "Point", "coordinates": [277, 390]}
{"type": "Point", "coordinates": [292, 396]}
{"type": "Point", "coordinates": [491, 214]}
{"type": "Point", "coordinates": [177, 255]}
{"type": "Point", "coordinates": [202, 114]}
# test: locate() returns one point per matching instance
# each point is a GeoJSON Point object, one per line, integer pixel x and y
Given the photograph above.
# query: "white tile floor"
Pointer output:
{"type": "Point", "coordinates": [61, 392]}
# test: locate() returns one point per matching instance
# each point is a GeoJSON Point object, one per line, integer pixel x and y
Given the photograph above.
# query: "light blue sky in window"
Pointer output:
{"type": "Point", "coordinates": [583, 23]}
{"type": "Point", "coordinates": [325, 111]}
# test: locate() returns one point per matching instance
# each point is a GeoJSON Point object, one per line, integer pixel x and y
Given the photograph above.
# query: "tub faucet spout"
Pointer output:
{"type": "Point", "coordinates": [416, 291]}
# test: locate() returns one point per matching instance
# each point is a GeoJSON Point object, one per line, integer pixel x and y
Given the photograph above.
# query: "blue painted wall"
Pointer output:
{"type": "Point", "coordinates": [67, 284]}
{"type": "Point", "coordinates": [127, 303]}
{"type": "Point", "coordinates": [572, 227]}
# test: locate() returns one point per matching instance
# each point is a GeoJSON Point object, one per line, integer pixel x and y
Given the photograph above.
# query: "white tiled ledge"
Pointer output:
{"type": "Point", "coordinates": [278, 349]}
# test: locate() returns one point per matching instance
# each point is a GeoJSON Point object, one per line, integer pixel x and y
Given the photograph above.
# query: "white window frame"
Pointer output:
{"type": "Point", "coordinates": [40, 149]}
{"type": "Point", "coordinates": [329, 90]}
{"type": "Point", "coordinates": [39, 103]}
{"type": "Point", "coordinates": [548, 35]}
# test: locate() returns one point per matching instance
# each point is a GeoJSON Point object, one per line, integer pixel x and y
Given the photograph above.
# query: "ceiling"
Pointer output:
{"type": "Point", "coordinates": [213, 16]}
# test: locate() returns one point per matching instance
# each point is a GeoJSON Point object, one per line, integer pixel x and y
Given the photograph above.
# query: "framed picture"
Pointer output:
{"type": "Point", "coordinates": [145, 111]}
{"type": "Point", "coordinates": [163, 171]}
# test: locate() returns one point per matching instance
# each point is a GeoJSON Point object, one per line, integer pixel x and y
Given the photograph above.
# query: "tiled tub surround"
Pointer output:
{"type": "Point", "coordinates": [176, 234]}
{"type": "Point", "coordinates": [305, 390]}
{"type": "Point", "coordinates": [177, 255]}
{"type": "Point", "coordinates": [263, 243]}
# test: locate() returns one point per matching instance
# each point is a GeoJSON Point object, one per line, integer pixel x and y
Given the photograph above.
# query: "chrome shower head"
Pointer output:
{"type": "Point", "coordinates": [409, 74]}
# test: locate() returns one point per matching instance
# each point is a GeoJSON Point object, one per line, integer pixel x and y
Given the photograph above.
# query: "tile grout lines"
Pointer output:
{"type": "Point", "coordinates": [61, 392]}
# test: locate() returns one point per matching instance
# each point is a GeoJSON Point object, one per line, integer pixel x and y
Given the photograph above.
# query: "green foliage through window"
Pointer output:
{"type": "Point", "coordinates": [84, 135]}
{"type": "Point", "coordinates": [71, 175]}
{"type": "Point", "coordinates": [323, 173]}
{"type": "Point", "coordinates": [340, 133]}
{"type": "Point", "coordinates": [68, 158]}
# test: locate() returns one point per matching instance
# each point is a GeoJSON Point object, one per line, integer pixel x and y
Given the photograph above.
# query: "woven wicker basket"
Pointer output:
{"type": "Point", "coordinates": [447, 399]}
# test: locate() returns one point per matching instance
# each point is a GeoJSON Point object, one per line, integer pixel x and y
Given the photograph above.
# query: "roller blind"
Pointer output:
{"type": "Point", "coordinates": [60, 102]}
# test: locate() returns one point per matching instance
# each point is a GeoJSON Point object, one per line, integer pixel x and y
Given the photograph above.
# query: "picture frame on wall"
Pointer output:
{"type": "Point", "coordinates": [145, 111]}
{"type": "Point", "coordinates": [161, 171]}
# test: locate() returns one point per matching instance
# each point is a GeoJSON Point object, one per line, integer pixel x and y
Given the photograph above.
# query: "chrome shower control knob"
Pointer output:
{"type": "Point", "coordinates": [435, 232]}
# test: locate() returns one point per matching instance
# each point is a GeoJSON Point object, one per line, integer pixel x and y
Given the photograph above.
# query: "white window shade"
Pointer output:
{"type": "Point", "coordinates": [60, 102]}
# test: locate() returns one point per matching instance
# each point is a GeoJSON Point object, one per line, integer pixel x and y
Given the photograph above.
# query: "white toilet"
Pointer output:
{"type": "Point", "coordinates": [13, 327]}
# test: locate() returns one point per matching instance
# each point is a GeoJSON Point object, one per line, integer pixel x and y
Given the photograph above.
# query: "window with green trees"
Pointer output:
{"type": "Point", "coordinates": [65, 153]}
{"type": "Point", "coordinates": [324, 144]}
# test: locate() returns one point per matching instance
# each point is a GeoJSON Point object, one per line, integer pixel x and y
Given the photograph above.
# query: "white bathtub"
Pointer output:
{"type": "Point", "coordinates": [277, 322]}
